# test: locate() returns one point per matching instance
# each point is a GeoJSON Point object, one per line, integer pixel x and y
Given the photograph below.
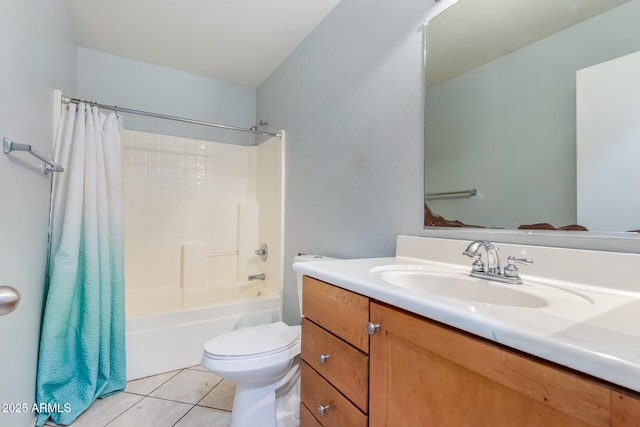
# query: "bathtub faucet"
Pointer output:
{"type": "Point", "coordinates": [256, 277]}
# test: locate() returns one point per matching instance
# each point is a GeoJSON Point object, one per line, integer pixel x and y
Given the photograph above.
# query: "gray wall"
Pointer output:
{"type": "Point", "coordinates": [351, 101]}
{"type": "Point", "coordinates": [114, 80]}
{"type": "Point", "coordinates": [38, 55]}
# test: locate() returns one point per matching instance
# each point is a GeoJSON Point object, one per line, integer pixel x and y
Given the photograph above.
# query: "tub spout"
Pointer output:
{"type": "Point", "coordinates": [256, 277]}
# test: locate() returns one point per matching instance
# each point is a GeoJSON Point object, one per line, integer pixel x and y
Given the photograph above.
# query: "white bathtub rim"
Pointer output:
{"type": "Point", "coordinates": [199, 314]}
{"type": "Point", "coordinates": [153, 348]}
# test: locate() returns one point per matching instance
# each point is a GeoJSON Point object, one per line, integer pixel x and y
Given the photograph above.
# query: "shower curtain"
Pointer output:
{"type": "Point", "coordinates": [82, 343]}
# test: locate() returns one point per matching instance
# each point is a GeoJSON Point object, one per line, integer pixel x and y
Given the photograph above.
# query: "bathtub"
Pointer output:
{"type": "Point", "coordinates": [157, 343]}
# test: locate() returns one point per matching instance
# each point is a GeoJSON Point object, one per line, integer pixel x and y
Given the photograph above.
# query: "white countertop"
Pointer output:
{"type": "Point", "coordinates": [599, 334]}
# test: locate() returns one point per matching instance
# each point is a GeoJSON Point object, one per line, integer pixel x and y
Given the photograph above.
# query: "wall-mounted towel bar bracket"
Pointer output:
{"type": "Point", "coordinates": [8, 146]}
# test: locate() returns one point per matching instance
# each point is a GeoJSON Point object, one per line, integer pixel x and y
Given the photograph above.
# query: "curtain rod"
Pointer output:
{"type": "Point", "coordinates": [115, 108]}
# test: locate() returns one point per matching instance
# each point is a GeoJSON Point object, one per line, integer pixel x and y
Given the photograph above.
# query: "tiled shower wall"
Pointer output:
{"type": "Point", "coordinates": [182, 201]}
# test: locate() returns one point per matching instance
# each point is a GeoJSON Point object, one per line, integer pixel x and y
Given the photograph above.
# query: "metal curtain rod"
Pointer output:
{"type": "Point", "coordinates": [115, 108]}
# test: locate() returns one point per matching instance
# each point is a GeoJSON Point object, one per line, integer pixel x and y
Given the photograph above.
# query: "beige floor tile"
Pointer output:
{"type": "Point", "coordinates": [205, 417]}
{"type": "Point", "coordinates": [187, 386]}
{"type": "Point", "coordinates": [221, 397]}
{"type": "Point", "coordinates": [146, 385]}
{"type": "Point", "coordinates": [175, 394]}
{"type": "Point", "coordinates": [151, 412]}
{"type": "Point", "coordinates": [103, 411]}
{"type": "Point", "coordinates": [198, 368]}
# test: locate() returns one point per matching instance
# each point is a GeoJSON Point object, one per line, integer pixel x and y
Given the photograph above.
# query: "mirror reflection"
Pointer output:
{"type": "Point", "coordinates": [533, 106]}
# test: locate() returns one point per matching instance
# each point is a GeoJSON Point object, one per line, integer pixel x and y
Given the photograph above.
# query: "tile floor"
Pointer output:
{"type": "Point", "coordinates": [190, 397]}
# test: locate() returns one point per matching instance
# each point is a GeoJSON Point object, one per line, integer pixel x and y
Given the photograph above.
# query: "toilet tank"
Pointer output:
{"type": "Point", "coordinates": [306, 258]}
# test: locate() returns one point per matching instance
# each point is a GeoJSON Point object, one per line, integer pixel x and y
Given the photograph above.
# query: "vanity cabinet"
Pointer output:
{"type": "Point", "coordinates": [417, 372]}
{"type": "Point", "coordinates": [335, 360]}
{"type": "Point", "coordinates": [427, 374]}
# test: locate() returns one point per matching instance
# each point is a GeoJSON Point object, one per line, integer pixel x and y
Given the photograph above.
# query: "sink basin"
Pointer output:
{"type": "Point", "coordinates": [451, 283]}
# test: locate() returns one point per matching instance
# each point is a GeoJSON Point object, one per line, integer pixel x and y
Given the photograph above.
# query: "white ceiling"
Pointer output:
{"type": "Point", "coordinates": [238, 41]}
{"type": "Point", "coordinates": [470, 33]}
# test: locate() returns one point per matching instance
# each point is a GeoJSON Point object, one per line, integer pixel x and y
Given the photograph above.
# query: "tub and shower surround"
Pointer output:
{"type": "Point", "coordinates": [195, 213]}
{"type": "Point", "coordinates": [191, 220]}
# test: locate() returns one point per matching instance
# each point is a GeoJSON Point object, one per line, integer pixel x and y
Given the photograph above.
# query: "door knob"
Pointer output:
{"type": "Point", "coordinates": [9, 299]}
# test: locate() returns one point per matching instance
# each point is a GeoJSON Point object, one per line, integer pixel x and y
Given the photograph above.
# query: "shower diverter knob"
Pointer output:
{"type": "Point", "coordinates": [263, 252]}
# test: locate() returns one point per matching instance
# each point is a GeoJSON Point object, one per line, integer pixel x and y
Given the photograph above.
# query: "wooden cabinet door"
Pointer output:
{"type": "Point", "coordinates": [625, 409]}
{"type": "Point", "coordinates": [425, 374]}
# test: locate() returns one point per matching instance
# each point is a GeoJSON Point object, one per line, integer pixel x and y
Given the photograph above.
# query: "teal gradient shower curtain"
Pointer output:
{"type": "Point", "coordinates": [82, 343]}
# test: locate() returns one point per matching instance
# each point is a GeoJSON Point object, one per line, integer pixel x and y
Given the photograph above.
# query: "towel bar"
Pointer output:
{"type": "Point", "coordinates": [451, 194]}
{"type": "Point", "coordinates": [49, 166]}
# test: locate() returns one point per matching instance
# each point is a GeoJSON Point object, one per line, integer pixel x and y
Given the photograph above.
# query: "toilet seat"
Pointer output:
{"type": "Point", "coordinates": [252, 342]}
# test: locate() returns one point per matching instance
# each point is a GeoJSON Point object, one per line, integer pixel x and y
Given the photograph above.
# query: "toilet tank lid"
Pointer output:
{"type": "Point", "coordinates": [306, 258]}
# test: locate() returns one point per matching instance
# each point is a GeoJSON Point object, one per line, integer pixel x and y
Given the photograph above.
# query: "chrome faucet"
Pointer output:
{"type": "Point", "coordinates": [256, 277]}
{"type": "Point", "coordinates": [493, 259]}
{"type": "Point", "coordinates": [492, 270]}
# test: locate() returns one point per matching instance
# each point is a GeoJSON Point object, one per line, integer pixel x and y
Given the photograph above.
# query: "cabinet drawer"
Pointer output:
{"type": "Point", "coordinates": [347, 368]}
{"type": "Point", "coordinates": [341, 312]}
{"type": "Point", "coordinates": [306, 417]}
{"type": "Point", "coordinates": [315, 391]}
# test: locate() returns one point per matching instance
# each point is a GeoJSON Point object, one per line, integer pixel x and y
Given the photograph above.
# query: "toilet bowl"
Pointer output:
{"type": "Point", "coordinates": [264, 362]}
{"type": "Point", "coordinates": [260, 359]}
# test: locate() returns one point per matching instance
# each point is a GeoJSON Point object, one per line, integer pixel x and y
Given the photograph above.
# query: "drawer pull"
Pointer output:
{"type": "Point", "coordinates": [372, 328]}
{"type": "Point", "coordinates": [322, 409]}
{"type": "Point", "coordinates": [323, 358]}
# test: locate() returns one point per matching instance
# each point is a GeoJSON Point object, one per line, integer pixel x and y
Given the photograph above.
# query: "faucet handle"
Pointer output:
{"type": "Point", "coordinates": [527, 261]}
{"type": "Point", "coordinates": [478, 265]}
{"type": "Point", "coordinates": [510, 270]}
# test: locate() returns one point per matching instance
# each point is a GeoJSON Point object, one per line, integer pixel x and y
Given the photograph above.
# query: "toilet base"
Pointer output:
{"type": "Point", "coordinates": [288, 402]}
{"type": "Point", "coordinates": [271, 405]}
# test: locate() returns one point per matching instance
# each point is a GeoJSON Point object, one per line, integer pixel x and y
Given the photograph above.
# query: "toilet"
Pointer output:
{"type": "Point", "coordinates": [264, 362]}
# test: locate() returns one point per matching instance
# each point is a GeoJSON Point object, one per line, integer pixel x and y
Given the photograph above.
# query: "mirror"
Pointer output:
{"type": "Point", "coordinates": [507, 114]}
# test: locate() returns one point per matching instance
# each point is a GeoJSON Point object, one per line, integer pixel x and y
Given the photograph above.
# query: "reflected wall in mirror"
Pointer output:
{"type": "Point", "coordinates": [503, 114]}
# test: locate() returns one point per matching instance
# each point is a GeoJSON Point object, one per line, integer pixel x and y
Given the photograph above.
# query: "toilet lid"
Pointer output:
{"type": "Point", "coordinates": [252, 341]}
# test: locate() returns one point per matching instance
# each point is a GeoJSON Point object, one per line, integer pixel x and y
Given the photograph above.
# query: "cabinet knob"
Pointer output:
{"type": "Point", "coordinates": [322, 409]}
{"type": "Point", "coordinates": [323, 358]}
{"type": "Point", "coordinates": [372, 328]}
